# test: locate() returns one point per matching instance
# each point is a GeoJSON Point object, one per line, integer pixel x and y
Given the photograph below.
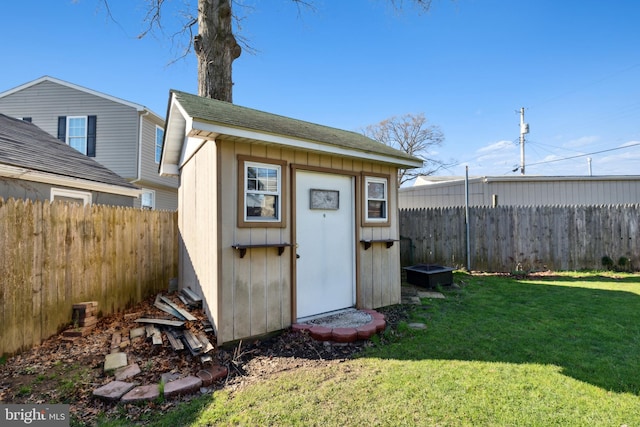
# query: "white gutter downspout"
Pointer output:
{"type": "Point", "coordinates": [139, 169]}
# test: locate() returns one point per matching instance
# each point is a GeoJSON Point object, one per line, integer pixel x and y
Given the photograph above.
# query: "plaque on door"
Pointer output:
{"type": "Point", "coordinates": [324, 199]}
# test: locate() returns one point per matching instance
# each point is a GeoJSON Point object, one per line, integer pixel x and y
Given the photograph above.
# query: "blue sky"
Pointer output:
{"type": "Point", "coordinates": [468, 65]}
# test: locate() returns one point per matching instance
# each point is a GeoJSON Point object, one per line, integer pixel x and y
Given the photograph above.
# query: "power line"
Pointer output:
{"type": "Point", "coordinates": [583, 155]}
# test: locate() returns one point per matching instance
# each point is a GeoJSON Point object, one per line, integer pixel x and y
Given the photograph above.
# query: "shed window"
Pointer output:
{"type": "Point", "coordinates": [376, 195]}
{"type": "Point", "coordinates": [262, 192]}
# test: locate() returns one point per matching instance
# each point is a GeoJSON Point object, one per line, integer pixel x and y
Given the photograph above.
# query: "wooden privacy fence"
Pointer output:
{"type": "Point", "coordinates": [53, 255]}
{"type": "Point", "coordinates": [508, 238]}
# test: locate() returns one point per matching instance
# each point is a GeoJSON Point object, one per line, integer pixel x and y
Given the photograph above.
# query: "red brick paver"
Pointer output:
{"type": "Point", "coordinates": [344, 335]}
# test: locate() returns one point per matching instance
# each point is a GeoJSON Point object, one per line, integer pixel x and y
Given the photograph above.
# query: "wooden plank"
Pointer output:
{"type": "Point", "coordinates": [163, 322]}
{"type": "Point", "coordinates": [176, 344]}
{"type": "Point", "coordinates": [167, 309]}
{"type": "Point", "coordinates": [257, 287]}
{"type": "Point", "coordinates": [184, 313]}
{"type": "Point", "coordinates": [206, 344]}
{"type": "Point", "coordinates": [36, 279]}
{"type": "Point", "coordinates": [184, 300]}
{"type": "Point", "coordinates": [191, 295]}
{"type": "Point", "coordinates": [273, 279]}
{"type": "Point", "coordinates": [195, 346]}
{"type": "Point", "coordinates": [154, 333]}
{"type": "Point", "coordinates": [150, 330]}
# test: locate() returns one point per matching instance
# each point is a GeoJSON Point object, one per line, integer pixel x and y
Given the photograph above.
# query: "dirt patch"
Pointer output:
{"type": "Point", "coordinates": [68, 372]}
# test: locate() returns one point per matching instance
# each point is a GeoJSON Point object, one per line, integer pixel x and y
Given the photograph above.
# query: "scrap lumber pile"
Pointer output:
{"type": "Point", "coordinates": [179, 326]}
{"type": "Point", "coordinates": [189, 298]}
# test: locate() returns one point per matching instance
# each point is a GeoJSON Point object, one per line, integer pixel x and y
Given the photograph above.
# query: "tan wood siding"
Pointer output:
{"type": "Point", "coordinates": [380, 266]}
{"type": "Point", "coordinates": [252, 296]}
{"type": "Point", "coordinates": [198, 232]}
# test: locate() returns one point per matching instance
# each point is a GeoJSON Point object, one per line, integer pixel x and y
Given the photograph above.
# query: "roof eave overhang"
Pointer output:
{"type": "Point", "coordinates": [174, 138]}
{"type": "Point", "coordinates": [203, 129]}
{"type": "Point", "coordinates": [15, 172]}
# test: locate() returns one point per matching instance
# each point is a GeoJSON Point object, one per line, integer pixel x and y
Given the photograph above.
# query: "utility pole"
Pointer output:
{"type": "Point", "coordinates": [524, 129]}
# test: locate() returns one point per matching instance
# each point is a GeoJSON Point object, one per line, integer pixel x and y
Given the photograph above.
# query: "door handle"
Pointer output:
{"type": "Point", "coordinates": [297, 256]}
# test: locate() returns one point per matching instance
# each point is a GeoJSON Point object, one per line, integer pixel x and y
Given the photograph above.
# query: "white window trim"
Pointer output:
{"type": "Point", "coordinates": [72, 194]}
{"type": "Point", "coordinates": [156, 145]}
{"type": "Point", "coordinates": [153, 198]}
{"type": "Point", "coordinates": [86, 130]}
{"type": "Point", "coordinates": [278, 192]}
{"type": "Point", "coordinates": [385, 181]}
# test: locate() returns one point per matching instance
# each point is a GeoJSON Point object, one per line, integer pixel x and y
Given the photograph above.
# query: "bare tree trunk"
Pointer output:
{"type": "Point", "coordinates": [216, 48]}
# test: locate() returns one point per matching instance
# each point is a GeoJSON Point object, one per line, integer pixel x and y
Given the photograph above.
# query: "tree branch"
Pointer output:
{"type": "Point", "coordinates": [412, 134]}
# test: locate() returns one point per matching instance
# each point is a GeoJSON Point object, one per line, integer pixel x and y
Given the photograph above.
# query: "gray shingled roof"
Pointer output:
{"type": "Point", "coordinates": [25, 145]}
{"type": "Point", "coordinates": [220, 112]}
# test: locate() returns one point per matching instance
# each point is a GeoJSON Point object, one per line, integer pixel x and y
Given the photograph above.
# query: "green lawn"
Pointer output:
{"type": "Point", "coordinates": [561, 350]}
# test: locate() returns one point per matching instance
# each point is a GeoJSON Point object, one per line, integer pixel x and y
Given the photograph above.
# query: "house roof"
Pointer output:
{"type": "Point", "coordinates": [207, 118]}
{"type": "Point", "coordinates": [28, 152]}
{"type": "Point", "coordinates": [137, 107]}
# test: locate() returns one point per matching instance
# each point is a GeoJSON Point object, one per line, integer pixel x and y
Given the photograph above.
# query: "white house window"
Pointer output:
{"type": "Point", "coordinates": [376, 195]}
{"type": "Point", "coordinates": [262, 190]}
{"type": "Point", "coordinates": [72, 196]}
{"type": "Point", "coordinates": [159, 138]}
{"type": "Point", "coordinates": [148, 199]}
{"type": "Point", "coordinates": [77, 133]}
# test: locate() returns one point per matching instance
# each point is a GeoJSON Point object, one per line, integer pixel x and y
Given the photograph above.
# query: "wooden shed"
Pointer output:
{"type": "Point", "coordinates": [280, 219]}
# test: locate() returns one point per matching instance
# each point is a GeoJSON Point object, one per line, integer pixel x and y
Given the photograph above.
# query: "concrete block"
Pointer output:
{"type": "Point", "coordinates": [114, 361]}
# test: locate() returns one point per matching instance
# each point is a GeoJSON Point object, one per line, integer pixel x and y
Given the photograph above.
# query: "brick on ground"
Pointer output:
{"type": "Point", "coordinates": [186, 385]}
{"type": "Point", "coordinates": [113, 391]}
{"type": "Point", "coordinates": [140, 393]}
{"type": "Point", "coordinates": [127, 372]}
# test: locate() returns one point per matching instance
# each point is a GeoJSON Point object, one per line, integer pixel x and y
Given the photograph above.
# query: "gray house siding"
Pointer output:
{"type": "Point", "coordinates": [524, 191]}
{"type": "Point", "coordinates": [148, 164]}
{"type": "Point", "coordinates": [117, 136]}
{"type": "Point", "coordinates": [117, 124]}
{"type": "Point", "coordinates": [20, 189]}
{"type": "Point", "coordinates": [166, 199]}
{"type": "Point", "coordinates": [165, 188]}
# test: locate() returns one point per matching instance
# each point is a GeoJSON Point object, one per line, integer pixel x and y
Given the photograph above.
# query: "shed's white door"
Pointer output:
{"type": "Point", "coordinates": [325, 234]}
